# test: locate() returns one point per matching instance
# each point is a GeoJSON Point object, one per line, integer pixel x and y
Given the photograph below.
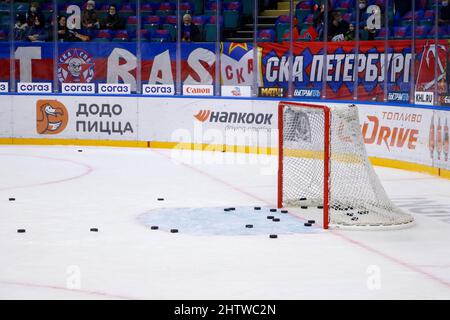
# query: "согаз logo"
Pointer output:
{"type": "Point", "coordinates": [51, 117]}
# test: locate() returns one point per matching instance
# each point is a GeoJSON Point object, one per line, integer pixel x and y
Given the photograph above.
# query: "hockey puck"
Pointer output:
{"type": "Point", "coordinates": [154, 227]}
{"type": "Point", "coordinates": [307, 224]}
{"type": "Point", "coordinates": [20, 230]}
{"type": "Point", "coordinates": [304, 207]}
{"type": "Point", "coordinates": [276, 219]}
{"type": "Point", "coordinates": [273, 236]}
{"type": "Point", "coordinates": [160, 199]}
{"type": "Point", "coordinates": [269, 217]}
{"type": "Point", "coordinates": [249, 226]}
{"type": "Point", "coordinates": [94, 229]}
{"type": "Point", "coordinates": [284, 211]}
{"type": "Point", "coordinates": [226, 209]}
{"type": "Point", "coordinates": [257, 208]}
{"type": "Point", "coordinates": [80, 150]}
{"type": "Point", "coordinates": [232, 209]}
{"type": "Point", "coordinates": [302, 199]}
{"type": "Point", "coordinates": [173, 230]}
{"type": "Point", "coordinates": [319, 207]}
{"type": "Point", "coordinates": [273, 210]}
{"type": "Point", "coordinates": [12, 199]}
{"type": "Point", "coordinates": [311, 221]}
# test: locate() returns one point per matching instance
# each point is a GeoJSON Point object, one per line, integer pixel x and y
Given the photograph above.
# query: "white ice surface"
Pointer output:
{"type": "Point", "coordinates": [61, 193]}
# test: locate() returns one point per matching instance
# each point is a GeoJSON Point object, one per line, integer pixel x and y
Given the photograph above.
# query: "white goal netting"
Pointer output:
{"type": "Point", "coordinates": [356, 196]}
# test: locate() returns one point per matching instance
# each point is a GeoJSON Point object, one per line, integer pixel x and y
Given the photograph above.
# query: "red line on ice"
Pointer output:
{"type": "Point", "coordinates": [41, 286]}
{"type": "Point", "coordinates": [88, 170]}
{"type": "Point", "coordinates": [335, 233]}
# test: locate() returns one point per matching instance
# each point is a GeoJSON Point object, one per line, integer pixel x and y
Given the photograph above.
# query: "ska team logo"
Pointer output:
{"type": "Point", "coordinates": [236, 92]}
{"type": "Point", "coordinates": [75, 66]}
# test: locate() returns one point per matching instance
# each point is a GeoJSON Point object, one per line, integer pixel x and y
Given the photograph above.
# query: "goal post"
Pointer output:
{"type": "Point", "coordinates": [326, 154]}
{"type": "Point", "coordinates": [323, 165]}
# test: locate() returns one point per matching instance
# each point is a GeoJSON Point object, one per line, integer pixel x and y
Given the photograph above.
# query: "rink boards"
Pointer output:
{"type": "Point", "coordinates": [407, 137]}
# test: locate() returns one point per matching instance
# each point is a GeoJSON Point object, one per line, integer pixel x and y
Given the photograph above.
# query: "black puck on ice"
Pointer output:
{"type": "Point", "coordinates": [273, 210]}
{"type": "Point", "coordinates": [269, 217]}
{"type": "Point", "coordinates": [80, 150]}
{"type": "Point", "coordinates": [304, 207]}
{"type": "Point", "coordinates": [257, 208]}
{"type": "Point", "coordinates": [12, 199]}
{"type": "Point", "coordinates": [154, 227]}
{"type": "Point", "coordinates": [319, 207]}
{"type": "Point", "coordinates": [20, 230]}
{"type": "Point", "coordinates": [284, 211]}
{"type": "Point", "coordinates": [302, 199]}
{"type": "Point", "coordinates": [226, 209]}
{"type": "Point", "coordinates": [232, 209]}
{"type": "Point", "coordinates": [94, 229]}
{"type": "Point", "coordinates": [173, 230]}
{"type": "Point", "coordinates": [160, 199]}
{"type": "Point", "coordinates": [276, 219]}
{"type": "Point", "coordinates": [311, 221]}
{"type": "Point", "coordinates": [249, 226]}
{"type": "Point", "coordinates": [307, 224]}
{"type": "Point", "coordinates": [273, 236]}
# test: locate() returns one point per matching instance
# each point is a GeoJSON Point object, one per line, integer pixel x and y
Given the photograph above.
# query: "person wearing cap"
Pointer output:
{"type": "Point", "coordinates": [89, 17]}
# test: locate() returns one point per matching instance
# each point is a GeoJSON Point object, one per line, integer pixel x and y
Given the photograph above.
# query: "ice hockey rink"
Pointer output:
{"type": "Point", "coordinates": [62, 192]}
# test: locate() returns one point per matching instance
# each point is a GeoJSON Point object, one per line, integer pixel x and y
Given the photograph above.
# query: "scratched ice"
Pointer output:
{"type": "Point", "coordinates": [61, 193]}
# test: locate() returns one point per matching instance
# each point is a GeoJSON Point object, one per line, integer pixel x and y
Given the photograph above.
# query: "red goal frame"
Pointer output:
{"type": "Point", "coordinates": [327, 163]}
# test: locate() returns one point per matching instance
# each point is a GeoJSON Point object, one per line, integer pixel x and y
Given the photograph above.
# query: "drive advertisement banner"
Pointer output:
{"type": "Point", "coordinates": [399, 133]}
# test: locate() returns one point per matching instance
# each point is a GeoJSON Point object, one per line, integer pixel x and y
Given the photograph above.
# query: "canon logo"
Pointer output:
{"type": "Point", "coordinates": [198, 90]}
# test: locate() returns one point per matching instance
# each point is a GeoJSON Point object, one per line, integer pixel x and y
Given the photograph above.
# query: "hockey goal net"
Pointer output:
{"type": "Point", "coordinates": [323, 165]}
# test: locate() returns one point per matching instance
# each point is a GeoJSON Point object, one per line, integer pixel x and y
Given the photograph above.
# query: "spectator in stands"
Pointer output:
{"type": "Point", "coordinates": [75, 35]}
{"type": "Point", "coordinates": [65, 34]}
{"type": "Point", "coordinates": [350, 34]}
{"type": "Point", "coordinates": [33, 12]}
{"type": "Point", "coordinates": [338, 27]}
{"type": "Point", "coordinates": [189, 31]}
{"type": "Point", "coordinates": [20, 27]}
{"type": "Point", "coordinates": [444, 14]}
{"type": "Point", "coordinates": [37, 32]}
{"type": "Point", "coordinates": [319, 17]}
{"type": "Point", "coordinates": [362, 4]}
{"type": "Point", "coordinates": [89, 17]}
{"type": "Point", "coordinates": [371, 31]}
{"type": "Point", "coordinates": [62, 28]}
{"type": "Point", "coordinates": [113, 21]}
